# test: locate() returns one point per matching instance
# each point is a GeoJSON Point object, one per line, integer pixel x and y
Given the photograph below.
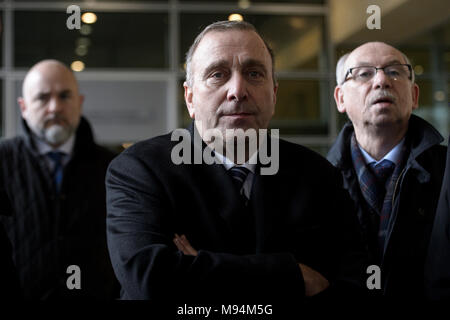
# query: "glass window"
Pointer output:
{"type": "Point", "coordinates": [420, 60]}
{"type": "Point", "coordinates": [433, 106]}
{"type": "Point", "coordinates": [302, 107]}
{"type": "Point", "coordinates": [116, 120]}
{"type": "Point", "coordinates": [430, 55]}
{"type": "Point", "coordinates": [425, 93]}
{"type": "Point", "coordinates": [148, 1]}
{"type": "Point", "coordinates": [447, 58]}
{"type": "Point", "coordinates": [246, 2]}
{"type": "Point", "coordinates": [115, 40]}
{"type": "Point", "coordinates": [298, 47]}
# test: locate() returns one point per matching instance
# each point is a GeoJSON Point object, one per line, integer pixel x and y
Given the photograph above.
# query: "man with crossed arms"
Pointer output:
{"type": "Point", "coordinates": [256, 237]}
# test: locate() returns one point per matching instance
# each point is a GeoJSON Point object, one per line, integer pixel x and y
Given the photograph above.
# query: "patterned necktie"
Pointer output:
{"type": "Point", "coordinates": [383, 170]}
{"type": "Point", "coordinates": [239, 175]}
{"type": "Point", "coordinates": [382, 173]}
{"type": "Point", "coordinates": [56, 157]}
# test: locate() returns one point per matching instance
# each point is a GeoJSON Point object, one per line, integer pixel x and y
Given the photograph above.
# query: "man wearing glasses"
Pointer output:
{"type": "Point", "coordinates": [391, 162]}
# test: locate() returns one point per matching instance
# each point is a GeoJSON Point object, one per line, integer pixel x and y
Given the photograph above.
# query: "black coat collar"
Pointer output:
{"type": "Point", "coordinates": [421, 136]}
{"type": "Point", "coordinates": [84, 138]}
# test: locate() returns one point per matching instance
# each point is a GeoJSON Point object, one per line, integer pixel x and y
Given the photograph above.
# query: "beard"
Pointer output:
{"type": "Point", "coordinates": [54, 130]}
{"type": "Point", "coordinates": [56, 134]}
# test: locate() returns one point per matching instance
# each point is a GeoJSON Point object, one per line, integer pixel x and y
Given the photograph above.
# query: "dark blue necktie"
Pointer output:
{"type": "Point", "coordinates": [57, 174]}
{"type": "Point", "coordinates": [383, 170]}
{"type": "Point", "coordinates": [382, 173]}
{"type": "Point", "coordinates": [239, 175]}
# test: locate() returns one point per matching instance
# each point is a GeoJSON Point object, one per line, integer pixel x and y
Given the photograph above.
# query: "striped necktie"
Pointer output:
{"type": "Point", "coordinates": [239, 175]}
{"type": "Point", "coordinates": [57, 174]}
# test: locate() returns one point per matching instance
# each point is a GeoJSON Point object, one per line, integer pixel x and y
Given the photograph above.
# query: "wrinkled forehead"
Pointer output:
{"type": "Point", "coordinates": [376, 54]}
{"type": "Point", "coordinates": [229, 44]}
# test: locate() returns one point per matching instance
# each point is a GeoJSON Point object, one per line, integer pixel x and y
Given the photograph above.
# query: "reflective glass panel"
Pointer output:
{"type": "Point", "coordinates": [115, 40]}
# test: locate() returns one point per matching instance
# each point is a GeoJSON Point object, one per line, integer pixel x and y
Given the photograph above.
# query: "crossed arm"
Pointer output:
{"type": "Point", "coordinates": [314, 281]}
{"type": "Point", "coordinates": [140, 225]}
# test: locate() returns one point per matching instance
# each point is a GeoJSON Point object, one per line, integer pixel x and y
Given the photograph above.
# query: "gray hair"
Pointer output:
{"type": "Point", "coordinates": [222, 26]}
{"type": "Point", "coordinates": [340, 68]}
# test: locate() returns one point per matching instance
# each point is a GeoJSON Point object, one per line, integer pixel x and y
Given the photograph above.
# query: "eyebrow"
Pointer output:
{"type": "Point", "coordinates": [224, 63]}
{"type": "Point", "coordinates": [46, 92]}
{"type": "Point", "coordinates": [254, 63]}
{"type": "Point", "coordinates": [215, 65]}
{"type": "Point", "coordinates": [65, 91]}
{"type": "Point", "coordinates": [41, 93]}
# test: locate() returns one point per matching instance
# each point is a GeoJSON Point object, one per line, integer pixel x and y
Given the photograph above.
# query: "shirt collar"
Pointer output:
{"type": "Point", "coordinates": [228, 164]}
{"type": "Point", "coordinates": [66, 147]}
{"type": "Point", "coordinates": [395, 155]}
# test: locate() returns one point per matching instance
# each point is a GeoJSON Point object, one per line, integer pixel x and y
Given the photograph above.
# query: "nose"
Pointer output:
{"type": "Point", "coordinates": [54, 105]}
{"type": "Point", "coordinates": [237, 88]}
{"type": "Point", "coordinates": [380, 80]}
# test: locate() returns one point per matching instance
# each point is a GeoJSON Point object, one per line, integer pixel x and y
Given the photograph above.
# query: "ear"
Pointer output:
{"type": "Point", "coordinates": [275, 90]}
{"type": "Point", "coordinates": [339, 98]}
{"type": "Point", "coordinates": [188, 97]}
{"type": "Point", "coordinates": [22, 105]}
{"type": "Point", "coordinates": [81, 101]}
{"type": "Point", "coordinates": [415, 96]}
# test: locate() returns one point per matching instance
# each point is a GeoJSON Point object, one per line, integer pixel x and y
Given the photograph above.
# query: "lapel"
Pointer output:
{"type": "Point", "coordinates": [263, 200]}
{"type": "Point", "coordinates": [224, 200]}
{"type": "Point", "coordinates": [263, 208]}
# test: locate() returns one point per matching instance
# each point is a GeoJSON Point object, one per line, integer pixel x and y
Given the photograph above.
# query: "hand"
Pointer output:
{"type": "Point", "coordinates": [314, 281]}
{"type": "Point", "coordinates": [184, 246]}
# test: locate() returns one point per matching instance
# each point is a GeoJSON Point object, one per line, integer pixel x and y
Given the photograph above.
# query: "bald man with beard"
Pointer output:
{"type": "Point", "coordinates": [52, 192]}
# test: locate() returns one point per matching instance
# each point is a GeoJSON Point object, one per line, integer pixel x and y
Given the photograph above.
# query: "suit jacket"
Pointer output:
{"type": "Point", "coordinates": [300, 215]}
{"type": "Point", "coordinates": [437, 271]}
{"type": "Point", "coordinates": [50, 231]}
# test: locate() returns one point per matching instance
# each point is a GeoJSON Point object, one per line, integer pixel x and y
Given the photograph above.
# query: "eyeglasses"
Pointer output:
{"type": "Point", "coordinates": [366, 73]}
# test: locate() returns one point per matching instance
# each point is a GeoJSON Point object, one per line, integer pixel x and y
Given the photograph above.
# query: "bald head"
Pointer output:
{"type": "Point", "coordinates": [367, 49]}
{"type": "Point", "coordinates": [47, 69]}
{"type": "Point", "coordinates": [50, 103]}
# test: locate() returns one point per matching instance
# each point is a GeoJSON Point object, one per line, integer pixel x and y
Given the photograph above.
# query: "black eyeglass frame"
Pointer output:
{"type": "Point", "coordinates": [349, 71]}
